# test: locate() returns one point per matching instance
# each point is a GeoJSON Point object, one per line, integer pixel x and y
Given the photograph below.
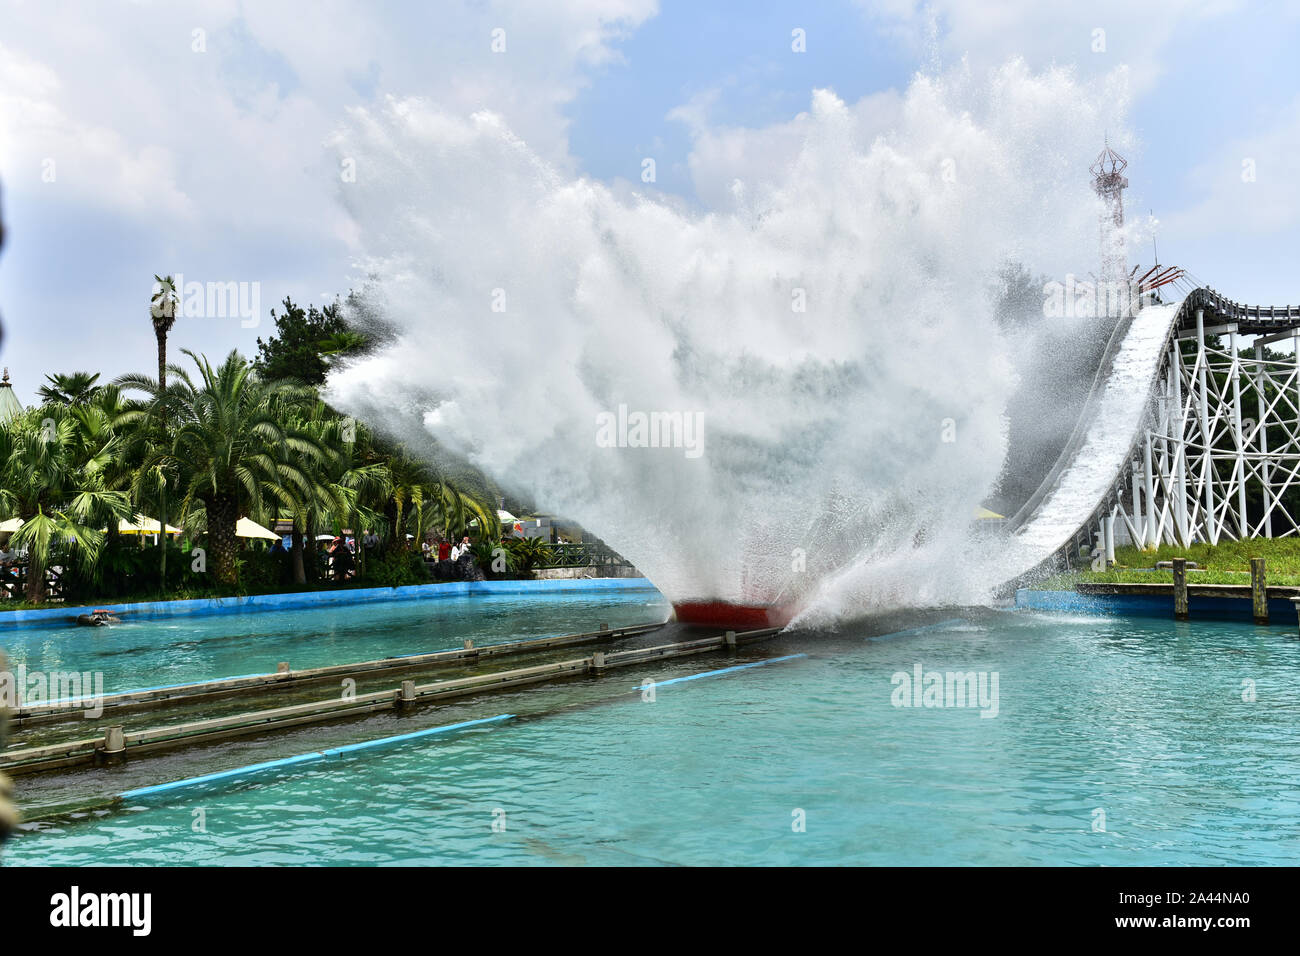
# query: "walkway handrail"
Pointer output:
{"type": "Point", "coordinates": [1258, 318]}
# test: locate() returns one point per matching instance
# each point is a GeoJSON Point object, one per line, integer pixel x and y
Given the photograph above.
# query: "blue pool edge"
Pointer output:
{"type": "Point", "coordinates": [153, 610]}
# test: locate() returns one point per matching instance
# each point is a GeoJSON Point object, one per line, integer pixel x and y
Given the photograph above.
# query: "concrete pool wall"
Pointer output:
{"type": "Point", "coordinates": [154, 610]}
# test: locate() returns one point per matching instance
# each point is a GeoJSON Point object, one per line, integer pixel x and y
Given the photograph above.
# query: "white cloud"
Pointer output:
{"type": "Point", "coordinates": [214, 164]}
{"type": "Point", "coordinates": [122, 98]}
{"type": "Point", "coordinates": [74, 159]}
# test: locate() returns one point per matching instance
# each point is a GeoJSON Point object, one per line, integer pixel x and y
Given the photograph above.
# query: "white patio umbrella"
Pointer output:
{"type": "Point", "coordinates": [248, 528]}
{"type": "Point", "coordinates": [505, 517]}
{"type": "Point", "coordinates": [13, 524]}
{"type": "Point", "coordinates": [143, 525]}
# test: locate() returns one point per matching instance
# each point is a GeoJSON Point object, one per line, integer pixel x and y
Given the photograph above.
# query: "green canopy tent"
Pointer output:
{"type": "Point", "coordinates": [9, 404]}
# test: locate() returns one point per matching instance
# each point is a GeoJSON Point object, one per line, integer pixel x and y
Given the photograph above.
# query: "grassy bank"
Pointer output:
{"type": "Point", "coordinates": [1225, 563]}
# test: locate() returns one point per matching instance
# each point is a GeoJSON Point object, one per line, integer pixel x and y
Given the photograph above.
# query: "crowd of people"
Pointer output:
{"type": "Point", "coordinates": [447, 561]}
{"type": "Point", "coordinates": [451, 562]}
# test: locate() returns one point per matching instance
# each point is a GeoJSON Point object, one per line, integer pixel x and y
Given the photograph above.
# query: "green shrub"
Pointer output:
{"type": "Point", "coordinates": [125, 569]}
{"type": "Point", "coordinates": [262, 571]}
{"type": "Point", "coordinates": [395, 569]}
{"type": "Point", "coordinates": [529, 553]}
{"type": "Point", "coordinates": [521, 556]}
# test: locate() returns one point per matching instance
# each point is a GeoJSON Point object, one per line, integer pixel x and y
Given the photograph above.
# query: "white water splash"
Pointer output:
{"type": "Point", "coordinates": [823, 430]}
{"type": "Point", "coordinates": [1114, 423]}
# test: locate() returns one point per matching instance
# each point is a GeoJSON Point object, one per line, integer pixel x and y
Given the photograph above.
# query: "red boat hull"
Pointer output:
{"type": "Point", "coordinates": [733, 617]}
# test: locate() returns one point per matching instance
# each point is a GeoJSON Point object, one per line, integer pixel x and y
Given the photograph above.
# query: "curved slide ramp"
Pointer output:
{"type": "Point", "coordinates": [1095, 459]}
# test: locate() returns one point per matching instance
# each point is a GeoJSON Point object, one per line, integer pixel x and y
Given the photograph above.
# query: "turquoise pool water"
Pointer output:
{"type": "Point", "coordinates": [1143, 720]}
{"type": "Point", "coordinates": [140, 654]}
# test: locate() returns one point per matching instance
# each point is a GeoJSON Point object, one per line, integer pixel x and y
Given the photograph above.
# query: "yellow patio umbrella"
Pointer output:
{"type": "Point", "coordinates": [248, 528]}
{"type": "Point", "coordinates": [143, 525]}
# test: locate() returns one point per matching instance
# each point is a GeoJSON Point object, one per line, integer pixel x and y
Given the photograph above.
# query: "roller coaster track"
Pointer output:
{"type": "Point", "coordinates": [1162, 444]}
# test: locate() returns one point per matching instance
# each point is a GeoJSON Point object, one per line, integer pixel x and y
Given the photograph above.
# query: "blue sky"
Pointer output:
{"type": "Point", "coordinates": [623, 114]}
{"type": "Point", "coordinates": [213, 163]}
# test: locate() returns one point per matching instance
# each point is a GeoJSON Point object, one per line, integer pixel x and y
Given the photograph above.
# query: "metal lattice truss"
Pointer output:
{"type": "Point", "coordinates": [1219, 449]}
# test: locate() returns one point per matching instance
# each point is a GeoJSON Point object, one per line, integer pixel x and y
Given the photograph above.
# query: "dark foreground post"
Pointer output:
{"type": "Point", "coordinates": [1180, 589]}
{"type": "Point", "coordinates": [1258, 591]}
{"type": "Point", "coordinates": [8, 812]}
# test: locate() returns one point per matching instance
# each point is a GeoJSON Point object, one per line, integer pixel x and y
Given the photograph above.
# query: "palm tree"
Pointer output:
{"type": "Point", "coordinates": [52, 477]}
{"type": "Point", "coordinates": [400, 492]}
{"type": "Point", "coordinates": [458, 508]}
{"type": "Point", "coordinates": [113, 444]}
{"type": "Point", "coordinates": [343, 481]}
{"type": "Point", "coordinates": [405, 483]}
{"type": "Point", "coordinates": [232, 446]}
{"type": "Point", "coordinates": [162, 310]}
{"type": "Point", "coordinates": [102, 437]}
{"type": "Point", "coordinates": [416, 497]}
{"type": "Point", "coordinates": [72, 389]}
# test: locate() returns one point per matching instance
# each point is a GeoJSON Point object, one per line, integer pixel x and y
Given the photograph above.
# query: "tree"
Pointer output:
{"type": "Point", "coordinates": [397, 491]}
{"type": "Point", "coordinates": [162, 310]}
{"type": "Point", "coordinates": [306, 344]}
{"type": "Point", "coordinates": [72, 389]}
{"type": "Point", "coordinates": [232, 446]}
{"type": "Point", "coordinates": [112, 444]}
{"type": "Point", "coordinates": [456, 508]}
{"type": "Point", "coordinates": [345, 480]}
{"type": "Point", "coordinates": [415, 498]}
{"type": "Point", "coordinates": [52, 477]}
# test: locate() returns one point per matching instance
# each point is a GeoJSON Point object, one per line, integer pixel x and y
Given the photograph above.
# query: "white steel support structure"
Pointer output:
{"type": "Point", "coordinates": [1215, 462]}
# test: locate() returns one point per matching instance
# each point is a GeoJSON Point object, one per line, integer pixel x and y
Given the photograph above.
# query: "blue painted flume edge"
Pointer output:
{"type": "Point", "coordinates": [1280, 610]}
{"type": "Point", "coordinates": [316, 755]}
{"type": "Point", "coordinates": [721, 671]}
{"type": "Point", "coordinates": [150, 610]}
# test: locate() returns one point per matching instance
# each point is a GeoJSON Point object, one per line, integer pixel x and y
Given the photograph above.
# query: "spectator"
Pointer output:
{"type": "Point", "coordinates": [341, 562]}
{"type": "Point", "coordinates": [463, 560]}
